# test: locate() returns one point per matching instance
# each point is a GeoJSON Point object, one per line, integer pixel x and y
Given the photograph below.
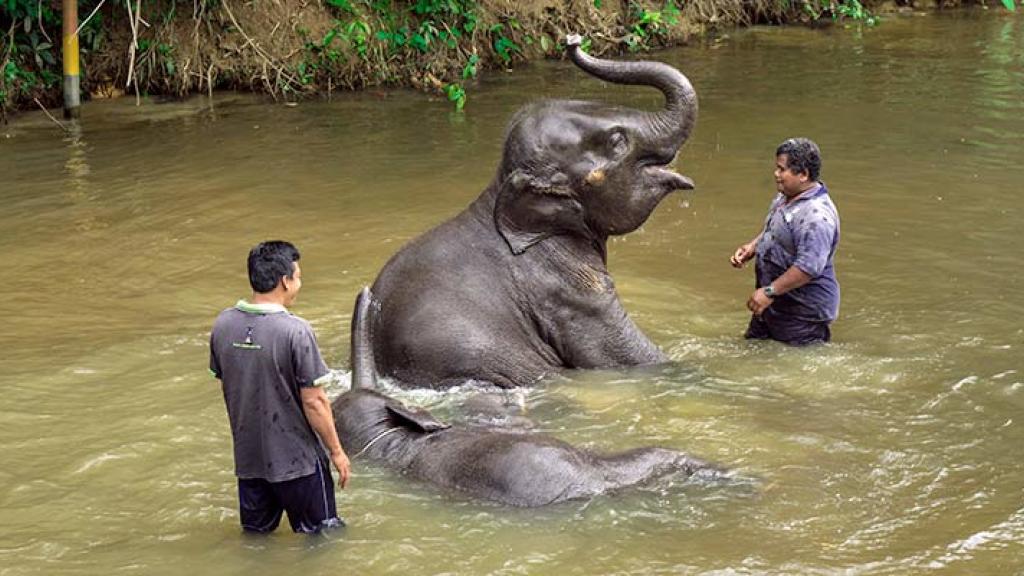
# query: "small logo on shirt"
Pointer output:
{"type": "Point", "coordinates": [248, 344]}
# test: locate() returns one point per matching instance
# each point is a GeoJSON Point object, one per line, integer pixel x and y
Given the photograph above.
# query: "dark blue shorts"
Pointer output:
{"type": "Point", "coordinates": [795, 332]}
{"type": "Point", "coordinates": [309, 501]}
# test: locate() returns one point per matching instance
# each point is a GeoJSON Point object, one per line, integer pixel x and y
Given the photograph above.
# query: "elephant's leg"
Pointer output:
{"type": "Point", "coordinates": [600, 334]}
{"type": "Point", "coordinates": [577, 311]}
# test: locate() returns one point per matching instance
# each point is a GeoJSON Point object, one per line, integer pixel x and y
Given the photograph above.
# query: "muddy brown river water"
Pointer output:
{"type": "Point", "coordinates": [895, 450]}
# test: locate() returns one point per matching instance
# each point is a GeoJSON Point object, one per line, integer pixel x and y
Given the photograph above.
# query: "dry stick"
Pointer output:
{"type": "Point", "coordinates": [249, 41]}
{"type": "Point", "coordinates": [131, 48]}
{"type": "Point", "coordinates": [10, 47]}
{"type": "Point", "coordinates": [134, 21]}
{"type": "Point", "coordinates": [39, 12]}
{"type": "Point", "coordinates": [135, 40]}
{"type": "Point", "coordinates": [198, 10]}
{"type": "Point", "coordinates": [50, 116]}
{"type": "Point", "coordinates": [89, 17]}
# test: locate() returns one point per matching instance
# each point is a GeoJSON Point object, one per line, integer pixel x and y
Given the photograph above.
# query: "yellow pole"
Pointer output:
{"type": "Point", "coordinates": [72, 95]}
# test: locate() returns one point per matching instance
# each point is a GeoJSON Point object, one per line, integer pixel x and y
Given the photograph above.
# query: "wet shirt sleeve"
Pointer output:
{"type": "Point", "coordinates": [814, 234]}
{"type": "Point", "coordinates": [309, 365]}
{"type": "Point", "coordinates": [214, 364]}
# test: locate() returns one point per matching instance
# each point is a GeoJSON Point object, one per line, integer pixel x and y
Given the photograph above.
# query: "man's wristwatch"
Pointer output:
{"type": "Point", "coordinates": [769, 291]}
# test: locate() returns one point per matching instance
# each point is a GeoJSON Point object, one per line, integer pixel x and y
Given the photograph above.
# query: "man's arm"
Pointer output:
{"type": "Point", "coordinates": [745, 252]}
{"type": "Point", "coordinates": [791, 279]}
{"type": "Point", "coordinates": [318, 411]}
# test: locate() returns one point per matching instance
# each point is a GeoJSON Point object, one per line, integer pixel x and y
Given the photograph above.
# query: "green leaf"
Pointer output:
{"type": "Point", "coordinates": [470, 69]}
{"type": "Point", "coordinates": [1010, 5]}
{"type": "Point", "coordinates": [343, 5]}
{"type": "Point", "coordinates": [419, 42]}
{"type": "Point", "coordinates": [456, 94]}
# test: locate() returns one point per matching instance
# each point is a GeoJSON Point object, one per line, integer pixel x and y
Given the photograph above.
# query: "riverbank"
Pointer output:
{"type": "Point", "coordinates": [292, 49]}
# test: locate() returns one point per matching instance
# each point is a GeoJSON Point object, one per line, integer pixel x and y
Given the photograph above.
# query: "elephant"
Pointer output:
{"type": "Point", "coordinates": [516, 286]}
{"type": "Point", "coordinates": [519, 469]}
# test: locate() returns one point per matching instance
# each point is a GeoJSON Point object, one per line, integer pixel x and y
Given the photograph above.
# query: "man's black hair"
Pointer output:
{"type": "Point", "coordinates": [268, 262]}
{"type": "Point", "coordinates": [802, 156]}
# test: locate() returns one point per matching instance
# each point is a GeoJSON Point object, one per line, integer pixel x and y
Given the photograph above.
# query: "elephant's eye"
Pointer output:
{"type": "Point", "coordinates": [618, 143]}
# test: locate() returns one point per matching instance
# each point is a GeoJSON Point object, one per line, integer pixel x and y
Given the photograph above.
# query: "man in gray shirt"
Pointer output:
{"type": "Point", "coordinates": [272, 375]}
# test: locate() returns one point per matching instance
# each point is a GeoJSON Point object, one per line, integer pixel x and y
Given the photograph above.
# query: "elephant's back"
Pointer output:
{"type": "Point", "coordinates": [514, 469]}
{"type": "Point", "coordinates": [446, 309]}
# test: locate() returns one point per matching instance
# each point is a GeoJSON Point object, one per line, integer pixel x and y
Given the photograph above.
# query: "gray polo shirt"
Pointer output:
{"type": "Point", "coordinates": [263, 355]}
{"type": "Point", "coordinates": [805, 234]}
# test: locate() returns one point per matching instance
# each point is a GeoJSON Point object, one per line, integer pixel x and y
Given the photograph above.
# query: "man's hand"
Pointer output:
{"type": "Point", "coordinates": [759, 302]}
{"type": "Point", "coordinates": [742, 254]}
{"type": "Point", "coordinates": [341, 462]}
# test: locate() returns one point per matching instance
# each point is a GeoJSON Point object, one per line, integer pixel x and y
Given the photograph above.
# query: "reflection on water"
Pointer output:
{"type": "Point", "coordinates": [894, 450]}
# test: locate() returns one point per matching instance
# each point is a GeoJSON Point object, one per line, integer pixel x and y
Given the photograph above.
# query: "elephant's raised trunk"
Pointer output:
{"type": "Point", "coordinates": [670, 127]}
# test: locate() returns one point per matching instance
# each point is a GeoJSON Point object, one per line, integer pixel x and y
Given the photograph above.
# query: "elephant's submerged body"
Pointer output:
{"type": "Point", "coordinates": [516, 469]}
{"type": "Point", "coordinates": [516, 286]}
{"type": "Point", "coordinates": [536, 470]}
{"type": "Point", "coordinates": [512, 468]}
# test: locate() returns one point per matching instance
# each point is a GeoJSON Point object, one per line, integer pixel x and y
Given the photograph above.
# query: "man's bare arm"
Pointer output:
{"type": "Point", "coordinates": [791, 279]}
{"type": "Point", "coordinates": [318, 411]}
{"type": "Point", "coordinates": [745, 252]}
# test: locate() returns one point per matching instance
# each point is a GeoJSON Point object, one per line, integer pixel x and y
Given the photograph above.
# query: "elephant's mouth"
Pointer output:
{"type": "Point", "coordinates": [657, 168]}
{"type": "Point", "coordinates": [666, 179]}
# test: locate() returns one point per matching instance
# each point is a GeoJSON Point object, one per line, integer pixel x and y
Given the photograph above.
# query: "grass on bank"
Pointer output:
{"type": "Point", "coordinates": [291, 49]}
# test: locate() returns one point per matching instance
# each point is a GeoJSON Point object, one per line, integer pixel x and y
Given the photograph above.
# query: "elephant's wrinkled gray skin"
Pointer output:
{"type": "Point", "coordinates": [517, 469]}
{"type": "Point", "coordinates": [516, 286]}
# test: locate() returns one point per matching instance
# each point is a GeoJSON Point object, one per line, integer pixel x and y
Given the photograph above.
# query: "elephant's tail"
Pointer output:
{"type": "Point", "coordinates": [364, 367]}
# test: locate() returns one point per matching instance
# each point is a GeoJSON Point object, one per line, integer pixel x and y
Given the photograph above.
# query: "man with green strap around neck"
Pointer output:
{"type": "Point", "coordinates": [273, 377]}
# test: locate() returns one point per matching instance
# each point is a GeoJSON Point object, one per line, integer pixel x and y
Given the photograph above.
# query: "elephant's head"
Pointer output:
{"type": "Point", "coordinates": [362, 416]}
{"type": "Point", "coordinates": [575, 167]}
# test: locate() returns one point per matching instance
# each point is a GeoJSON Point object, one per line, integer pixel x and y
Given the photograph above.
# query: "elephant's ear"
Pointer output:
{"type": "Point", "coordinates": [531, 208]}
{"type": "Point", "coordinates": [415, 418]}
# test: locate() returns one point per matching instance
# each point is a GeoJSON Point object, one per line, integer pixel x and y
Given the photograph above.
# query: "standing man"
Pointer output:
{"type": "Point", "coordinates": [796, 295]}
{"type": "Point", "coordinates": [272, 374]}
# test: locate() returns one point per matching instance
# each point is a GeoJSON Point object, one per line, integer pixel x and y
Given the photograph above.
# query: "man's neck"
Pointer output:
{"type": "Point", "coordinates": [810, 186]}
{"type": "Point", "coordinates": [268, 298]}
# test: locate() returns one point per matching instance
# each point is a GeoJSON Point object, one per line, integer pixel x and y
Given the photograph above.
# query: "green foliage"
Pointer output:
{"type": "Point", "coordinates": [1010, 5]}
{"type": "Point", "coordinates": [504, 46]}
{"type": "Point", "coordinates": [470, 70]}
{"type": "Point", "coordinates": [438, 44]}
{"type": "Point", "coordinates": [343, 5]}
{"type": "Point", "coordinates": [651, 25]}
{"type": "Point", "coordinates": [457, 94]}
{"type": "Point", "coordinates": [840, 10]}
{"type": "Point", "coordinates": [30, 59]}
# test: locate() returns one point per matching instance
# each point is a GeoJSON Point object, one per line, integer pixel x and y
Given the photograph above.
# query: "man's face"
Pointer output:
{"type": "Point", "coordinates": [292, 285]}
{"type": "Point", "coordinates": [786, 181]}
